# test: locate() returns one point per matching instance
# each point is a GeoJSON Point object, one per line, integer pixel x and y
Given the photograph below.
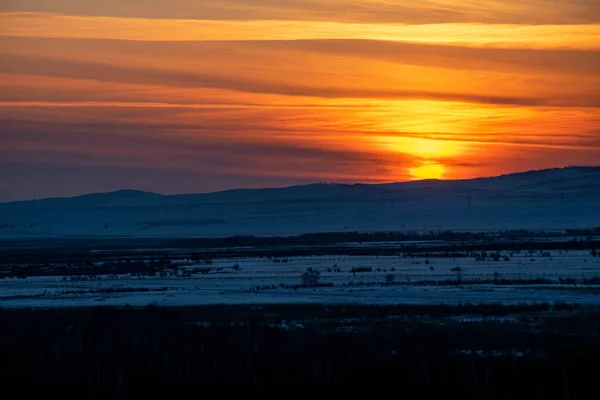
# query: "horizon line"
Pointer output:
{"type": "Point", "coordinates": [301, 185]}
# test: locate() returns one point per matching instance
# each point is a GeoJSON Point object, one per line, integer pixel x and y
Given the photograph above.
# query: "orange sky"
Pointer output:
{"type": "Point", "coordinates": [190, 96]}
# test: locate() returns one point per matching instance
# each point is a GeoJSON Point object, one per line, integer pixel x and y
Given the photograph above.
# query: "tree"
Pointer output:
{"type": "Point", "coordinates": [458, 271]}
{"type": "Point", "coordinates": [310, 277]}
{"type": "Point", "coordinates": [496, 277]}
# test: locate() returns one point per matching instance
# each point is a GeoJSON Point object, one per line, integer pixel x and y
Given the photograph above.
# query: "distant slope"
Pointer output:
{"type": "Point", "coordinates": [544, 199]}
{"type": "Point", "coordinates": [119, 198]}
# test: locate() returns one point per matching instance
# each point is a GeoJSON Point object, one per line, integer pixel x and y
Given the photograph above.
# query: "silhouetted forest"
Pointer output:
{"type": "Point", "coordinates": [408, 350]}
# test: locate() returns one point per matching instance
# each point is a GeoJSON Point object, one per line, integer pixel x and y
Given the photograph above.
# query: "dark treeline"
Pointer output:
{"type": "Point", "coordinates": [78, 268]}
{"type": "Point", "coordinates": [465, 249]}
{"type": "Point", "coordinates": [310, 239]}
{"type": "Point", "coordinates": [325, 238]}
{"type": "Point", "coordinates": [132, 353]}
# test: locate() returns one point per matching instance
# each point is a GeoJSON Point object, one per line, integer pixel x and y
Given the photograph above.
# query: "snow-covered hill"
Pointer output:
{"type": "Point", "coordinates": [545, 199]}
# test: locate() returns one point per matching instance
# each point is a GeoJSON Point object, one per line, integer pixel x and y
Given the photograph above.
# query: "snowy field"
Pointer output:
{"type": "Point", "coordinates": [392, 280]}
{"type": "Point", "coordinates": [295, 218]}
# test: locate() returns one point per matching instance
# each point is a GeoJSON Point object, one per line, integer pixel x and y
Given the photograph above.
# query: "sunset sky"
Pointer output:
{"type": "Point", "coordinates": [181, 96]}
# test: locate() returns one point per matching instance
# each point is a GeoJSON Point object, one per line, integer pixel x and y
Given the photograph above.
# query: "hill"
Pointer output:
{"type": "Point", "coordinates": [545, 199]}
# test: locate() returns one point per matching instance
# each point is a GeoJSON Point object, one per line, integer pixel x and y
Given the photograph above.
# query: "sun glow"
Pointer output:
{"type": "Point", "coordinates": [425, 148]}
{"type": "Point", "coordinates": [430, 152]}
{"type": "Point", "coordinates": [428, 171]}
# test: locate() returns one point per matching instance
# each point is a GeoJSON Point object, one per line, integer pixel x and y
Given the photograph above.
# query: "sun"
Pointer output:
{"type": "Point", "coordinates": [428, 171]}
{"type": "Point", "coordinates": [430, 155]}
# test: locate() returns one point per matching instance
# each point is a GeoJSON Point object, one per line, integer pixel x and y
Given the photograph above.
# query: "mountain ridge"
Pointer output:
{"type": "Point", "coordinates": [563, 198]}
{"type": "Point", "coordinates": [541, 176]}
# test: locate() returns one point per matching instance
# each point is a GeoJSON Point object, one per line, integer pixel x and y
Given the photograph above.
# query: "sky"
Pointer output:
{"type": "Point", "coordinates": [187, 96]}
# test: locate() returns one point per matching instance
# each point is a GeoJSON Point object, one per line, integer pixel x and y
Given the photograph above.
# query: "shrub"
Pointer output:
{"type": "Point", "coordinates": [310, 277]}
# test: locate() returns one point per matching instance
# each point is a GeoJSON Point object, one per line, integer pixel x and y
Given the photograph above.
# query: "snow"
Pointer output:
{"type": "Point", "coordinates": [537, 200]}
{"type": "Point", "coordinates": [236, 287]}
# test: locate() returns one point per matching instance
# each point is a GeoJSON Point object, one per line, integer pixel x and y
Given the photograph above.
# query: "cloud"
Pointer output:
{"type": "Point", "coordinates": [335, 70]}
{"type": "Point", "coordinates": [580, 36]}
{"type": "Point", "coordinates": [200, 152]}
{"type": "Point", "coordinates": [372, 11]}
{"type": "Point", "coordinates": [64, 68]}
{"type": "Point", "coordinates": [568, 62]}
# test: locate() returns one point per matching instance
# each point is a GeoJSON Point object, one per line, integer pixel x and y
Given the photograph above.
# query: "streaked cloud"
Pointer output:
{"type": "Point", "coordinates": [283, 72]}
{"type": "Point", "coordinates": [371, 11]}
{"type": "Point", "coordinates": [581, 36]}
